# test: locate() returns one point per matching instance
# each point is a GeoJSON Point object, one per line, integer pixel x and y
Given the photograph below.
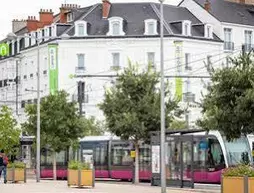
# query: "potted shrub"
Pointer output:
{"type": "Point", "coordinates": [80, 174]}
{"type": "Point", "coordinates": [238, 179]}
{"type": "Point", "coordinates": [16, 172]}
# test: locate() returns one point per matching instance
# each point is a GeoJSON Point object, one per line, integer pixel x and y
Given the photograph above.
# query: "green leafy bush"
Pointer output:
{"type": "Point", "coordinates": [76, 165]}
{"type": "Point", "coordinates": [19, 165]}
{"type": "Point", "coordinates": [239, 171]}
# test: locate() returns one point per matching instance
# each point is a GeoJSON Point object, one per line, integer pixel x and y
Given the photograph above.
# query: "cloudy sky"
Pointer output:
{"type": "Point", "coordinates": [14, 9]}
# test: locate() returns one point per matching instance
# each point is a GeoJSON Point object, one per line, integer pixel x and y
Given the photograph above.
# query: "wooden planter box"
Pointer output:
{"type": "Point", "coordinates": [81, 178]}
{"type": "Point", "coordinates": [16, 175]}
{"type": "Point", "coordinates": [237, 185]}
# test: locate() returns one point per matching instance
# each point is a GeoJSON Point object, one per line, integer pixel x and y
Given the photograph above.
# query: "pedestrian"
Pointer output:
{"type": "Point", "coordinates": [3, 165]}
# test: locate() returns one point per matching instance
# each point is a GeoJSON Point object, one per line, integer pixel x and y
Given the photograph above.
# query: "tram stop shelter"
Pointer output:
{"type": "Point", "coordinates": [180, 148]}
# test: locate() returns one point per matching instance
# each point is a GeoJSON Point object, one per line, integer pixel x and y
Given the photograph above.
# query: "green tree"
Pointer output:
{"type": "Point", "coordinates": [178, 124]}
{"type": "Point", "coordinates": [132, 107]}
{"type": "Point", "coordinates": [9, 133]}
{"type": "Point", "coordinates": [229, 104]}
{"type": "Point", "coordinates": [93, 127]}
{"type": "Point", "coordinates": [61, 126]}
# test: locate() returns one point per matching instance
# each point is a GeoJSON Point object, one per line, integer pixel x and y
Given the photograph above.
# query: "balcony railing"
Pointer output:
{"type": "Point", "coordinates": [80, 69]}
{"type": "Point", "coordinates": [229, 46]}
{"type": "Point", "coordinates": [188, 97]}
{"type": "Point", "coordinates": [248, 47]}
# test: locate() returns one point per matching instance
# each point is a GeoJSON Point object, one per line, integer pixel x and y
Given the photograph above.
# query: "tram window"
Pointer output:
{"type": "Point", "coordinates": [61, 158]}
{"type": "Point", "coordinates": [235, 150]}
{"type": "Point", "coordinates": [215, 155]}
{"type": "Point", "coordinates": [97, 156]}
{"type": "Point", "coordinates": [121, 155]}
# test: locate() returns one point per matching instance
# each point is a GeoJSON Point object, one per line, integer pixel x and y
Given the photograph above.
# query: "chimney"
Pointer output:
{"type": "Point", "coordinates": [64, 9]}
{"type": "Point", "coordinates": [207, 5]}
{"type": "Point", "coordinates": [105, 8]}
{"type": "Point", "coordinates": [46, 17]}
{"type": "Point", "coordinates": [32, 23]}
{"type": "Point", "coordinates": [18, 25]}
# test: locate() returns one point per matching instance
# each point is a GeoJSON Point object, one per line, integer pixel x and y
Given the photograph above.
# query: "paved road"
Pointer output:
{"type": "Point", "coordinates": [100, 187]}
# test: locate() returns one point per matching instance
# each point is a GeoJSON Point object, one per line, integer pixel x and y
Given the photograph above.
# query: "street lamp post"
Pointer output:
{"type": "Point", "coordinates": [38, 134]}
{"type": "Point", "coordinates": [163, 163]}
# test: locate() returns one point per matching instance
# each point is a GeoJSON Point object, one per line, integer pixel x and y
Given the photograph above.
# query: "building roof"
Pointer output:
{"type": "Point", "coordinates": [230, 12]}
{"type": "Point", "coordinates": [134, 15]}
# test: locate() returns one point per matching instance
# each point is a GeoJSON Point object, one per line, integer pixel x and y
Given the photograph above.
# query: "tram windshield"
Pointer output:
{"type": "Point", "coordinates": [236, 149]}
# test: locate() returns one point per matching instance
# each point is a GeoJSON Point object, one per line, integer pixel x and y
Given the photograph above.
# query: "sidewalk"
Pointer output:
{"type": "Point", "coordinates": [100, 187]}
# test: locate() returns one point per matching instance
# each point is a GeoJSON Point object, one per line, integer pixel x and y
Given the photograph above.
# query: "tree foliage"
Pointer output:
{"type": "Point", "coordinates": [229, 104]}
{"type": "Point", "coordinates": [61, 126]}
{"type": "Point", "coordinates": [9, 133]}
{"type": "Point", "coordinates": [132, 106]}
{"type": "Point", "coordinates": [93, 127]}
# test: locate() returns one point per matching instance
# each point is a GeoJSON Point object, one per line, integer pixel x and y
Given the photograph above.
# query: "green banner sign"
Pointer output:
{"type": "Point", "coordinates": [53, 68]}
{"type": "Point", "coordinates": [4, 49]}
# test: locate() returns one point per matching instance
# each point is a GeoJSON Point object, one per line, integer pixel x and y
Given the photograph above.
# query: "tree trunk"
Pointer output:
{"type": "Point", "coordinates": [136, 163]}
{"type": "Point", "coordinates": [54, 166]}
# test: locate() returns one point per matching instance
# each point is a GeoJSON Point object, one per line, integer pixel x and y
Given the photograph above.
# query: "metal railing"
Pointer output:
{"type": "Point", "coordinates": [229, 46]}
{"type": "Point", "coordinates": [80, 69]}
{"type": "Point", "coordinates": [248, 47]}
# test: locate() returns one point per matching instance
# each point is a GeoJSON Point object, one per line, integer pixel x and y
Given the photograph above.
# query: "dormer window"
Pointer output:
{"type": "Point", "coordinates": [69, 17]}
{"type": "Point", "coordinates": [186, 26]}
{"type": "Point", "coordinates": [208, 31]}
{"type": "Point", "coordinates": [81, 28]}
{"type": "Point", "coordinates": [115, 26]}
{"type": "Point", "coordinates": [150, 27]}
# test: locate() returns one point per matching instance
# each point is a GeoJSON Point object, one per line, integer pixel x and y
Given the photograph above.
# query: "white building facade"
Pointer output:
{"type": "Point", "coordinates": [232, 20]}
{"type": "Point", "coordinates": [96, 40]}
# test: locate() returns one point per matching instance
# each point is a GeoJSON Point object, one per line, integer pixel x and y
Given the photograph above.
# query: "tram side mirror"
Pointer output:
{"type": "Point", "coordinates": [245, 158]}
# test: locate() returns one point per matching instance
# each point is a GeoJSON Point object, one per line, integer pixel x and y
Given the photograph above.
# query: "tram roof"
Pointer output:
{"type": "Point", "coordinates": [99, 138]}
{"type": "Point", "coordinates": [184, 131]}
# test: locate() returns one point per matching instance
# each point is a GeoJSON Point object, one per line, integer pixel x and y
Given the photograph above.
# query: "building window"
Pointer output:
{"type": "Point", "coordinates": [228, 44]}
{"type": "Point", "coordinates": [69, 17]}
{"type": "Point", "coordinates": [23, 104]}
{"type": "Point", "coordinates": [186, 28]}
{"type": "Point", "coordinates": [50, 31]}
{"type": "Point", "coordinates": [208, 31]}
{"type": "Point", "coordinates": [209, 63]}
{"type": "Point", "coordinates": [31, 76]}
{"type": "Point", "coordinates": [81, 28]}
{"type": "Point", "coordinates": [187, 61]}
{"type": "Point", "coordinates": [115, 26]}
{"type": "Point", "coordinates": [45, 72]}
{"type": "Point", "coordinates": [151, 58]}
{"type": "Point", "coordinates": [150, 27]}
{"type": "Point", "coordinates": [25, 77]}
{"type": "Point", "coordinates": [248, 40]}
{"type": "Point", "coordinates": [116, 59]}
{"type": "Point", "coordinates": [81, 62]}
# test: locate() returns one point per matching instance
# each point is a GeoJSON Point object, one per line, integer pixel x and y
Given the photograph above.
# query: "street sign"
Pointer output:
{"type": "Point", "coordinates": [4, 49]}
{"type": "Point", "coordinates": [133, 154]}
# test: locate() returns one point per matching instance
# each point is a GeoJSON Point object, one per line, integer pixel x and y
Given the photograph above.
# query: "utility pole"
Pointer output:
{"type": "Point", "coordinates": [81, 96]}
{"type": "Point", "coordinates": [162, 89]}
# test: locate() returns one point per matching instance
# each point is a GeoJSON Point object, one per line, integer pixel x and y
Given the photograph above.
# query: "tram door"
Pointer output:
{"type": "Point", "coordinates": [180, 163]}
{"type": "Point", "coordinates": [200, 159]}
{"type": "Point", "coordinates": [101, 160]}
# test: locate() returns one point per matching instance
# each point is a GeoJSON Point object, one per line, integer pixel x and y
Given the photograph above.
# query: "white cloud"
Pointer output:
{"type": "Point", "coordinates": [13, 9]}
